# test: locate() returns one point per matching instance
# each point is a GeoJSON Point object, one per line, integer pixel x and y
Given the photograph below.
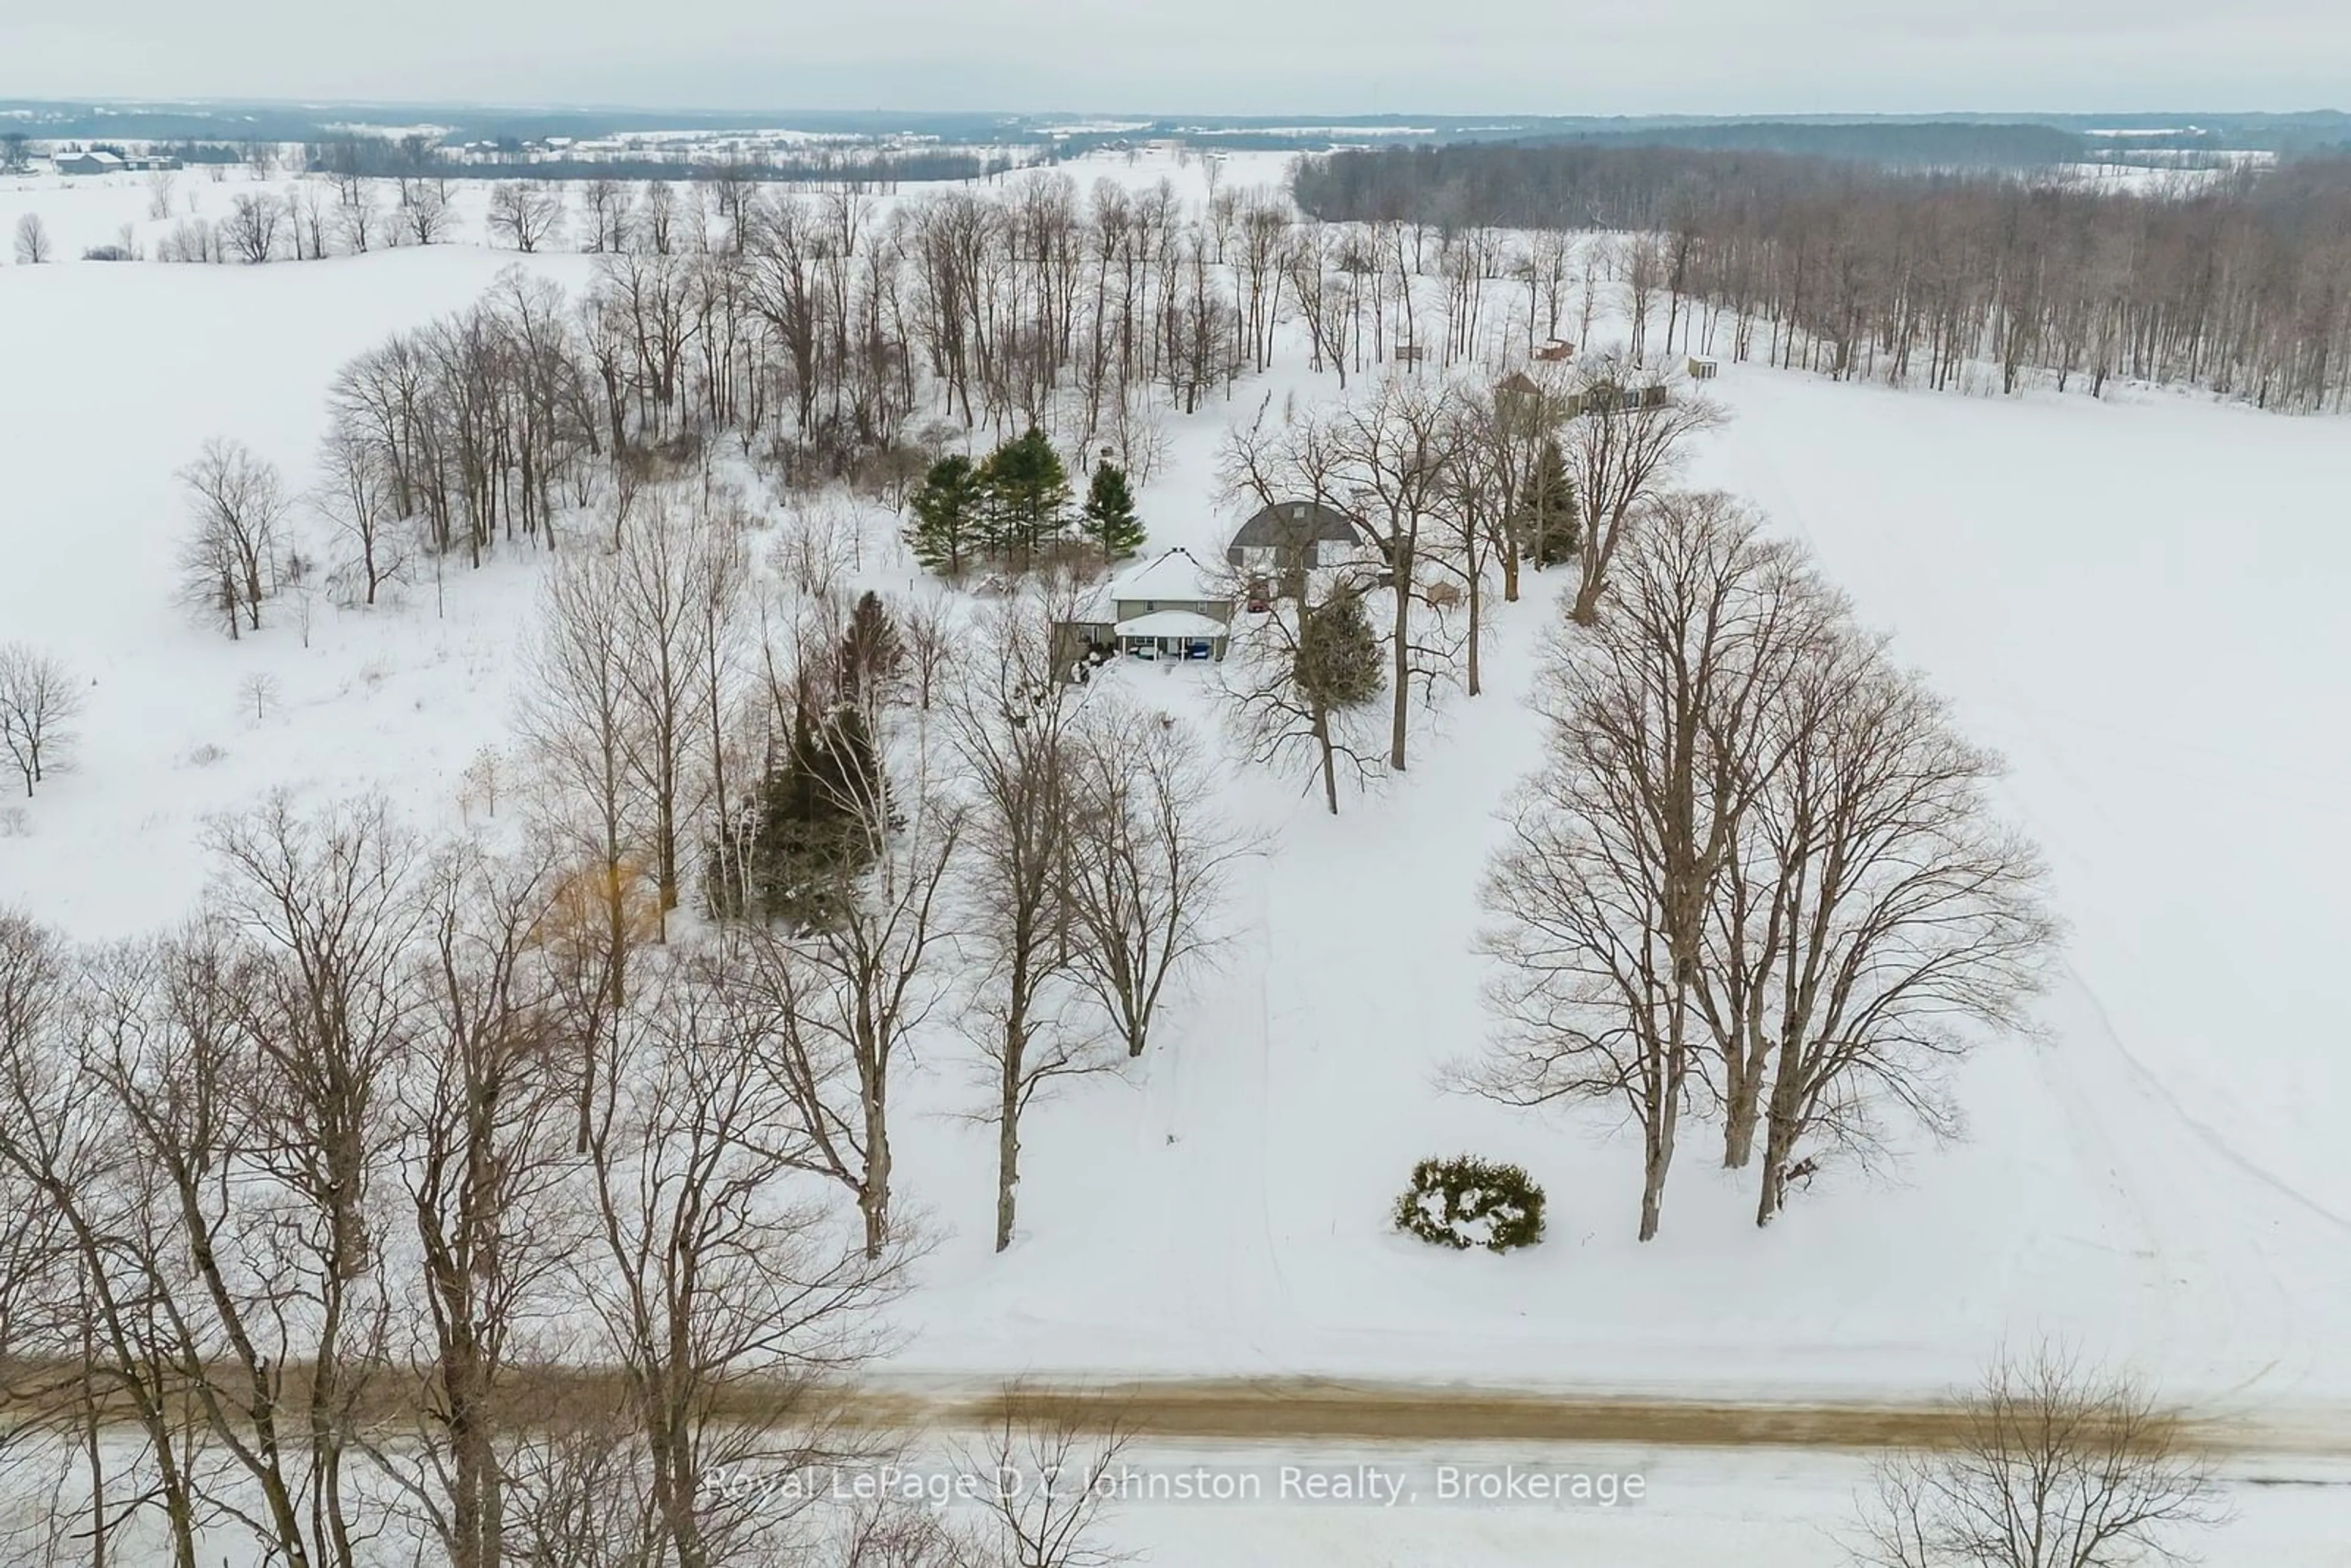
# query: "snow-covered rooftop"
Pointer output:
{"type": "Point", "coordinates": [1172, 624]}
{"type": "Point", "coordinates": [1175, 574]}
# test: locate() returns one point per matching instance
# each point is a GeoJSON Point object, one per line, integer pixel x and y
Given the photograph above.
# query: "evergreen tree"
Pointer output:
{"type": "Point", "coordinates": [1109, 519]}
{"type": "Point", "coordinates": [948, 505]}
{"type": "Point", "coordinates": [1338, 664]}
{"type": "Point", "coordinates": [1028, 492]}
{"type": "Point", "coordinates": [872, 657]}
{"type": "Point", "coordinates": [1545, 508]}
{"type": "Point", "coordinates": [795, 852]}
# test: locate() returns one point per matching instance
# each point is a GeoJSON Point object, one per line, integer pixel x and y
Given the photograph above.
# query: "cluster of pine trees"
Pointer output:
{"type": "Point", "coordinates": [1015, 507]}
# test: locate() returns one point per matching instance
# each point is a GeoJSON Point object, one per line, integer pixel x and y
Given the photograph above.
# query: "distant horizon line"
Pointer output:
{"type": "Point", "coordinates": [583, 106]}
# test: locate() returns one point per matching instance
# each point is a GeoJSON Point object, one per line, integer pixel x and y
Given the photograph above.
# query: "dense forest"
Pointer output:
{"type": "Point", "coordinates": [1923, 145]}
{"type": "Point", "coordinates": [2238, 284]}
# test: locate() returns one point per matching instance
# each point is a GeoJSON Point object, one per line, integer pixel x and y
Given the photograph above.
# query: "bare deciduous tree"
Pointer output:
{"type": "Point", "coordinates": [1043, 1476]}
{"type": "Point", "coordinates": [1302, 680]}
{"type": "Point", "coordinates": [1390, 461]}
{"type": "Point", "coordinates": [250, 230]}
{"type": "Point", "coordinates": [525, 214]}
{"type": "Point", "coordinates": [837, 1004]}
{"type": "Point", "coordinates": [485, 1166]}
{"type": "Point", "coordinates": [229, 564]}
{"type": "Point", "coordinates": [2058, 1466]}
{"type": "Point", "coordinates": [721, 1295]}
{"type": "Point", "coordinates": [1013, 728]}
{"type": "Point", "coordinates": [357, 492]}
{"type": "Point", "coordinates": [579, 721]}
{"type": "Point", "coordinates": [32, 241]}
{"type": "Point", "coordinates": [1623, 444]}
{"type": "Point", "coordinates": [1870, 911]}
{"type": "Point", "coordinates": [38, 703]}
{"type": "Point", "coordinates": [1658, 743]}
{"type": "Point", "coordinates": [1149, 863]}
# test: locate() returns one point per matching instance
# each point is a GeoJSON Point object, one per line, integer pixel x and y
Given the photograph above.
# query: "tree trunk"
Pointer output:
{"type": "Point", "coordinates": [1008, 1158]}
{"type": "Point", "coordinates": [1399, 715]}
{"type": "Point", "coordinates": [1008, 1109]}
{"type": "Point", "coordinates": [1780, 1130]}
{"type": "Point", "coordinates": [1659, 1158]}
{"type": "Point", "coordinates": [873, 1197]}
{"type": "Point", "coordinates": [1330, 763]}
{"type": "Point", "coordinates": [1742, 1094]}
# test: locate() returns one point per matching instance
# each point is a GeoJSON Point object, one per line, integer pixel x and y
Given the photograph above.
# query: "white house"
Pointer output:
{"type": "Point", "coordinates": [1170, 607]}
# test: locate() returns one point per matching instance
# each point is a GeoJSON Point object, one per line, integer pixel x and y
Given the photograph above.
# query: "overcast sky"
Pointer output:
{"type": "Point", "coordinates": [1227, 56]}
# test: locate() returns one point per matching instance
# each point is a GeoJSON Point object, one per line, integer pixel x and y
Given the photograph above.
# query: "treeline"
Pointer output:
{"type": "Point", "coordinates": [869, 169]}
{"type": "Point", "coordinates": [810, 328]}
{"type": "Point", "coordinates": [2240, 285]}
{"type": "Point", "coordinates": [1926, 144]}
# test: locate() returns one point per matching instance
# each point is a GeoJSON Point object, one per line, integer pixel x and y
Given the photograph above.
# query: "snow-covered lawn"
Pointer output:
{"type": "Point", "coordinates": [2134, 599]}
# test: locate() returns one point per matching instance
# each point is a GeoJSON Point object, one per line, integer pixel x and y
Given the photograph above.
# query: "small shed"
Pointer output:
{"type": "Point", "coordinates": [1703, 367]}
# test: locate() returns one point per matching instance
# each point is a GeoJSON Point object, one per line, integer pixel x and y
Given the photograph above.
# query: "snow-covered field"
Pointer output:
{"type": "Point", "coordinates": [2133, 599]}
{"type": "Point", "coordinates": [1703, 1507]}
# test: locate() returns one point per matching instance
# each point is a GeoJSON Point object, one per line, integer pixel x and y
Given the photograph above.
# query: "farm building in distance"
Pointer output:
{"type": "Point", "coordinates": [88, 163]}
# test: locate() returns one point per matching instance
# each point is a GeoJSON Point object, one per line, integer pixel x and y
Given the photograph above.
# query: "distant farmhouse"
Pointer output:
{"type": "Point", "coordinates": [1168, 608]}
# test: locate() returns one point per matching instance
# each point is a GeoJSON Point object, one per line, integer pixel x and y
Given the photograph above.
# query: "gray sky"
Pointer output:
{"type": "Point", "coordinates": [1238, 56]}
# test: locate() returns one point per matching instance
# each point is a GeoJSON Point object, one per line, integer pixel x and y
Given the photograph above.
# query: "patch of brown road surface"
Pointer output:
{"type": "Point", "coordinates": [1306, 1409]}
{"type": "Point", "coordinates": [1267, 1410]}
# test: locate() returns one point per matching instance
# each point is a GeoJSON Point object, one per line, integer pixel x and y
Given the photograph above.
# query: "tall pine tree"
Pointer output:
{"type": "Point", "coordinates": [946, 531]}
{"type": "Point", "coordinates": [1028, 491]}
{"type": "Point", "coordinates": [1545, 510]}
{"type": "Point", "coordinates": [1109, 514]}
{"type": "Point", "coordinates": [872, 657]}
{"type": "Point", "coordinates": [794, 853]}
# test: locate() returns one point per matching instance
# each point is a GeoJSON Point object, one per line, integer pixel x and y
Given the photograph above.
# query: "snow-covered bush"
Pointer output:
{"type": "Point", "coordinates": [1469, 1202]}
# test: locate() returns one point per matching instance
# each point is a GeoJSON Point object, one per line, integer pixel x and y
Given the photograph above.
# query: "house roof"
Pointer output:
{"type": "Point", "coordinates": [1172, 624]}
{"type": "Point", "coordinates": [1517, 383]}
{"type": "Point", "coordinates": [1286, 525]}
{"type": "Point", "coordinates": [1175, 574]}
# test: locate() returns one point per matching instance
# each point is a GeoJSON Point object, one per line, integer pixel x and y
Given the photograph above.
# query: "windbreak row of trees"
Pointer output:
{"type": "Point", "coordinates": [1758, 878]}
{"type": "Point", "coordinates": [2239, 283]}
